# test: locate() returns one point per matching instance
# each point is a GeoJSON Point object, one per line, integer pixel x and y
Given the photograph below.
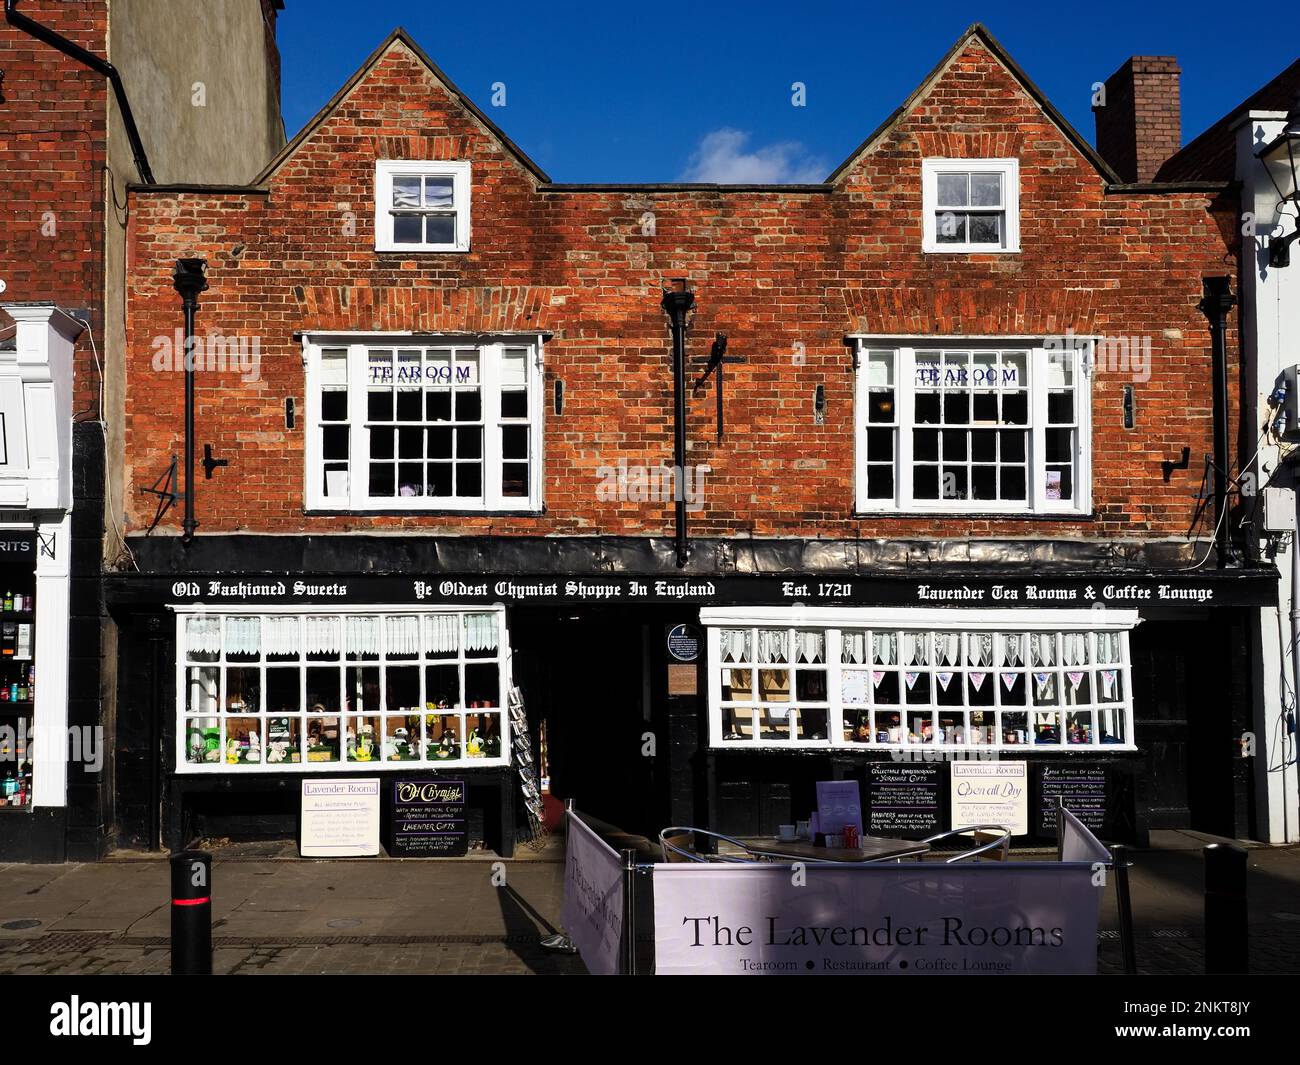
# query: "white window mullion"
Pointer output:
{"type": "Point", "coordinates": [358, 436]}
{"type": "Point", "coordinates": [1037, 464]}
{"type": "Point", "coordinates": [904, 412]}
{"type": "Point", "coordinates": [490, 391]}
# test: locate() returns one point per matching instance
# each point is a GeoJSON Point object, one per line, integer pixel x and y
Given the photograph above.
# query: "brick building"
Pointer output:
{"type": "Point", "coordinates": [201, 105]}
{"type": "Point", "coordinates": [939, 502]}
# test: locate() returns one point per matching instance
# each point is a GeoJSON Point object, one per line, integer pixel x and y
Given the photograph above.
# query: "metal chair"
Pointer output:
{"type": "Point", "coordinates": [672, 839]}
{"type": "Point", "coordinates": [993, 840]}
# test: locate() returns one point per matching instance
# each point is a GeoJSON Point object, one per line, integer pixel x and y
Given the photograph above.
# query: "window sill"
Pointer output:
{"type": "Point", "coordinates": [968, 249]}
{"type": "Point", "coordinates": [981, 515]}
{"type": "Point", "coordinates": [426, 512]}
{"type": "Point", "coordinates": [916, 752]}
{"type": "Point", "coordinates": [249, 769]}
{"type": "Point", "coordinates": [421, 249]}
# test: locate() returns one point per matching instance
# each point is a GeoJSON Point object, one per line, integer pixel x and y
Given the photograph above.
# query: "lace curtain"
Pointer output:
{"type": "Point", "coordinates": [243, 636]}
{"type": "Point", "coordinates": [402, 635]}
{"type": "Point", "coordinates": [773, 645]}
{"type": "Point", "coordinates": [203, 636]}
{"type": "Point", "coordinates": [363, 635]}
{"type": "Point", "coordinates": [280, 636]}
{"type": "Point", "coordinates": [480, 632]}
{"type": "Point", "coordinates": [440, 633]}
{"type": "Point", "coordinates": [733, 645]}
{"type": "Point", "coordinates": [322, 635]}
{"type": "Point", "coordinates": [853, 647]}
{"type": "Point", "coordinates": [810, 647]}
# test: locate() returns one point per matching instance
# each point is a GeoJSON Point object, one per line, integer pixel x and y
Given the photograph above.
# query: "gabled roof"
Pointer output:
{"type": "Point", "coordinates": [1212, 155]}
{"type": "Point", "coordinates": [400, 35]}
{"type": "Point", "coordinates": [977, 31]}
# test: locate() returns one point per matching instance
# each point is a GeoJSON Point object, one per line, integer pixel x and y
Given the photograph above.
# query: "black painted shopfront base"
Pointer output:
{"type": "Point", "coordinates": [33, 834]}
{"type": "Point", "coordinates": [268, 805]}
{"type": "Point", "coordinates": [751, 793]}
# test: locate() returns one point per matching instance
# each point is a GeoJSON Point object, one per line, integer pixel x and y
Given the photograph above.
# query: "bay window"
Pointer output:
{"type": "Point", "coordinates": [297, 691]}
{"type": "Point", "coordinates": [407, 424]}
{"type": "Point", "coordinates": [973, 426]}
{"type": "Point", "coordinates": [912, 678]}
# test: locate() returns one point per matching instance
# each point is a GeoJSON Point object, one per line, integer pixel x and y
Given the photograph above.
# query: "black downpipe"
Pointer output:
{"type": "Point", "coordinates": [677, 302]}
{"type": "Point", "coordinates": [1215, 304]}
{"type": "Point", "coordinates": [101, 66]}
{"type": "Point", "coordinates": [189, 281]}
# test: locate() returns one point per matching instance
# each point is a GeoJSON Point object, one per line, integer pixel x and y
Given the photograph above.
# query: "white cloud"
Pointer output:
{"type": "Point", "coordinates": [722, 158]}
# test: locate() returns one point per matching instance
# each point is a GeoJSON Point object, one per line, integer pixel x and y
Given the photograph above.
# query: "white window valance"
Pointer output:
{"type": "Point", "coordinates": [203, 635]}
{"type": "Point", "coordinates": [440, 634]}
{"type": "Point", "coordinates": [243, 636]}
{"type": "Point", "coordinates": [480, 632]}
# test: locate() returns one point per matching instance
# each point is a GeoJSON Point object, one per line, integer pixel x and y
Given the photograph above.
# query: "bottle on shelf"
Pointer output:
{"type": "Point", "coordinates": [9, 602]}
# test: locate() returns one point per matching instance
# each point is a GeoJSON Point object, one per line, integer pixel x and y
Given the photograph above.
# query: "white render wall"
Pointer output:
{"type": "Point", "coordinates": [1270, 326]}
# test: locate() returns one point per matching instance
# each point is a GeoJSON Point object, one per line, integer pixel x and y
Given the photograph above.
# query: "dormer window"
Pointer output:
{"type": "Point", "coordinates": [421, 205]}
{"type": "Point", "coordinates": [971, 205]}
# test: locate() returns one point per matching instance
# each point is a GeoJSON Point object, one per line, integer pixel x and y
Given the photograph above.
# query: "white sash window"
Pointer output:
{"type": "Point", "coordinates": [952, 426]}
{"type": "Point", "coordinates": [407, 425]}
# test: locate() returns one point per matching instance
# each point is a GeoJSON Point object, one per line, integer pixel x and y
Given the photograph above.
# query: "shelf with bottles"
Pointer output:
{"type": "Point", "coordinates": [17, 684]}
{"type": "Point", "coordinates": [16, 766]}
{"type": "Point", "coordinates": [17, 604]}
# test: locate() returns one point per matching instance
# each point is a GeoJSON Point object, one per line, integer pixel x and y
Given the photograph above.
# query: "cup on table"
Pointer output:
{"type": "Point", "coordinates": [801, 830]}
{"type": "Point", "coordinates": [785, 833]}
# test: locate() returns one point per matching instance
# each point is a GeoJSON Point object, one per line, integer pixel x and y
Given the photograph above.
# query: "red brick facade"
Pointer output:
{"type": "Point", "coordinates": [779, 271]}
{"type": "Point", "coordinates": [53, 144]}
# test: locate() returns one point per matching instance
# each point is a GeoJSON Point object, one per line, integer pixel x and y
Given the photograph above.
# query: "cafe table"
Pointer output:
{"type": "Point", "coordinates": [870, 849]}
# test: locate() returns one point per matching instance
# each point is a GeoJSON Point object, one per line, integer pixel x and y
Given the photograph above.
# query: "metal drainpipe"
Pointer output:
{"type": "Point", "coordinates": [188, 279]}
{"type": "Point", "coordinates": [677, 302]}
{"type": "Point", "coordinates": [101, 66]}
{"type": "Point", "coordinates": [1215, 304]}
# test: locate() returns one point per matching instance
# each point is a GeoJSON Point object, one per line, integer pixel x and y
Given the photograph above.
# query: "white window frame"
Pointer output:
{"type": "Point", "coordinates": [833, 620]}
{"type": "Point", "coordinates": [358, 499]}
{"type": "Point", "coordinates": [1010, 171]}
{"type": "Point", "coordinates": [1080, 352]}
{"type": "Point", "coordinates": [386, 169]}
{"type": "Point", "coordinates": [379, 764]}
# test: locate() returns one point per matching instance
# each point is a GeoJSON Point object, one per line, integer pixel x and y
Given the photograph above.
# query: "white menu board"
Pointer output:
{"type": "Point", "coordinates": [340, 818]}
{"type": "Point", "coordinates": [991, 793]}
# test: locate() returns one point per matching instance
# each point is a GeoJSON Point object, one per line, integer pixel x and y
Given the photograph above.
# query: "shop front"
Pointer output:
{"type": "Point", "coordinates": [655, 697]}
{"type": "Point", "coordinates": [40, 747]}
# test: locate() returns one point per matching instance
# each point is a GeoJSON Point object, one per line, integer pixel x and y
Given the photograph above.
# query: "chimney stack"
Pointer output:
{"type": "Point", "coordinates": [1139, 124]}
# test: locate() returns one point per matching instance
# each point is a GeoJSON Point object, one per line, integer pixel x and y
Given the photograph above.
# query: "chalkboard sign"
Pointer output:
{"type": "Point", "coordinates": [427, 819]}
{"type": "Point", "coordinates": [1083, 787]}
{"type": "Point", "coordinates": [903, 799]}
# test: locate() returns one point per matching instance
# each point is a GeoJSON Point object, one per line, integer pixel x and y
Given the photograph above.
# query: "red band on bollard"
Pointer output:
{"type": "Point", "coordinates": [191, 902]}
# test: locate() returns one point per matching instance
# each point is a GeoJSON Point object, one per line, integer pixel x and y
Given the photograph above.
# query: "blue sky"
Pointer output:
{"type": "Point", "coordinates": [665, 92]}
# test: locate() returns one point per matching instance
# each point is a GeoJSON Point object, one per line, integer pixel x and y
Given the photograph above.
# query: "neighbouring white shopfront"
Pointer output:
{"type": "Point", "coordinates": [36, 494]}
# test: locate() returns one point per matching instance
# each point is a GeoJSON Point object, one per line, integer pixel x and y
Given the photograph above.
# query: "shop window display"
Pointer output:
{"type": "Point", "coordinates": [855, 686]}
{"type": "Point", "coordinates": [308, 691]}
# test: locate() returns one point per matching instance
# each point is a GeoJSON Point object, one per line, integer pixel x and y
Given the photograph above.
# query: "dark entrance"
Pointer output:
{"type": "Point", "coordinates": [583, 672]}
{"type": "Point", "coordinates": [1185, 711]}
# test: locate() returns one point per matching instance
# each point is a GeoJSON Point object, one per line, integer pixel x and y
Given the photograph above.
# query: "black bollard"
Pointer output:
{"type": "Point", "coordinates": [191, 913]}
{"type": "Point", "coordinates": [1225, 910]}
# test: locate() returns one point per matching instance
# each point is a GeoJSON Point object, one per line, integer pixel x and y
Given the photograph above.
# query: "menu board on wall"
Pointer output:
{"type": "Point", "coordinates": [991, 793]}
{"type": "Point", "coordinates": [904, 799]}
{"type": "Point", "coordinates": [427, 819]}
{"type": "Point", "coordinates": [1083, 789]}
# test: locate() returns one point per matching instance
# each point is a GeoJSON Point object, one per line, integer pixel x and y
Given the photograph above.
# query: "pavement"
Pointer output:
{"type": "Point", "coordinates": [276, 913]}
